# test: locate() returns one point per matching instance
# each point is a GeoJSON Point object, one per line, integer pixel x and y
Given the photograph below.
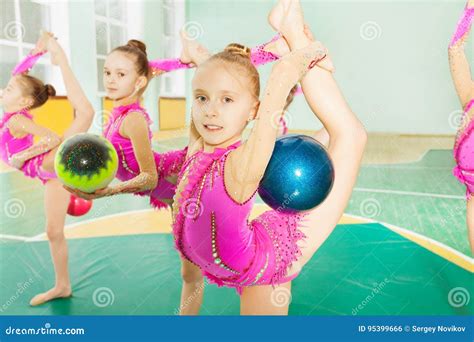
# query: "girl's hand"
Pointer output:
{"type": "Point", "coordinates": [16, 162]}
{"type": "Point", "coordinates": [326, 63]}
{"type": "Point", "coordinates": [470, 4]}
{"type": "Point", "coordinates": [108, 191]}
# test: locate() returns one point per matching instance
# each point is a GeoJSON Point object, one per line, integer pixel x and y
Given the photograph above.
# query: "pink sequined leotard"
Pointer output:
{"type": "Point", "coordinates": [167, 164]}
{"type": "Point", "coordinates": [10, 145]}
{"type": "Point", "coordinates": [464, 154]}
{"type": "Point", "coordinates": [214, 232]}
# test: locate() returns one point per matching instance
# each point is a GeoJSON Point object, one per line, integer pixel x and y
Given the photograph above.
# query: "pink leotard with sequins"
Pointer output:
{"type": "Point", "coordinates": [167, 164]}
{"type": "Point", "coordinates": [10, 145]}
{"type": "Point", "coordinates": [214, 232]}
{"type": "Point", "coordinates": [464, 154]}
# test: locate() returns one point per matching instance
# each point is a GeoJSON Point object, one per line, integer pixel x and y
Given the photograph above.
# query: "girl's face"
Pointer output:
{"type": "Point", "coordinates": [12, 98]}
{"type": "Point", "coordinates": [120, 76]}
{"type": "Point", "coordinates": [222, 104]}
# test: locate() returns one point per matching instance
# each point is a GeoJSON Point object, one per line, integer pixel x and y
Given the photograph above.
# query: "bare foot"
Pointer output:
{"type": "Point", "coordinates": [193, 52]}
{"type": "Point", "coordinates": [276, 15]}
{"type": "Point", "coordinates": [42, 42]}
{"type": "Point", "coordinates": [287, 18]}
{"type": "Point", "coordinates": [280, 47]}
{"type": "Point", "coordinates": [297, 33]}
{"type": "Point", "coordinates": [54, 293]}
{"type": "Point", "coordinates": [293, 21]}
{"type": "Point", "coordinates": [185, 55]}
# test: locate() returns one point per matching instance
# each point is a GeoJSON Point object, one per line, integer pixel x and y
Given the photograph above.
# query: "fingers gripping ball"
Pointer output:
{"type": "Point", "coordinates": [86, 162]}
{"type": "Point", "coordinates": [299, 176]}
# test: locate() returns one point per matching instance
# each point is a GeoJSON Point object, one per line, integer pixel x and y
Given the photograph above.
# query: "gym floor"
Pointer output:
{"type": "Point", "coordinates": [400, 249]}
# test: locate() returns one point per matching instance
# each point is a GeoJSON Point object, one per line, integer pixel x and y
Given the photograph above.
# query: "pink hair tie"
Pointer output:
{"type": "Point", "coordinates": [27, 63]}
{"type": "Point", "coordinates": [464, 25]}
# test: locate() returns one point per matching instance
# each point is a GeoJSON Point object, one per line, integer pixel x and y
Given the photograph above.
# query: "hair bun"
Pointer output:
{"type": "Point", "coordinates": [50, 89]}
{"type": "Point", "coordinates": [137, 45]}
{"type": "Point", "coordinates": [238, 49]}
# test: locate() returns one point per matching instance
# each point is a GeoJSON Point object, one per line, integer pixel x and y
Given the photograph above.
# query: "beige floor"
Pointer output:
{"type": "Point", "coordinates": [381, 148]}
{"type": "Point", "coordinates": [399, 148]}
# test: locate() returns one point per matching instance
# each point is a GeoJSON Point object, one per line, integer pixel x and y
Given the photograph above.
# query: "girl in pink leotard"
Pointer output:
{"type": "Point", "coordinates": [36, 160]}
{"type": "Point", "coordinates": [464, 142]}
{"type": "Point", "coordinates": [141, 170]}
{"type": "Point", "coordinates": [12, 146]}
{"type": "Point", "coordinates": [167, 164]}
{"type": "Point", "coordinates": [217, 184]}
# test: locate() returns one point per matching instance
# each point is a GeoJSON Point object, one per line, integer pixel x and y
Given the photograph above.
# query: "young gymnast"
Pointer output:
{"type": "Point", "coordinates": [142, 171]}
{"type": "Point", "coordinates": [464, 142]}
{"type": "Point", "coordinates": [36, 160]}
{"type": "Point", "coordinates": [217, 184]}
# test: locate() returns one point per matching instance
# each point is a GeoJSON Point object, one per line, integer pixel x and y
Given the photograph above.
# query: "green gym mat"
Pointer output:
{"type": "Point", "coordinates": [362, 269]}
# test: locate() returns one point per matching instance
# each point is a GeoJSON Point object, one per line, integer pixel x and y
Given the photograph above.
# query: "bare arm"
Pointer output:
{"type": "Point", "coordinates": [48, 139]}
{"type": "Point", "coordinates": [135, 128]}
{"type": "Point", "coordinates": [458, 63]}
{"type": "Point", "coordinates": [247, 164]}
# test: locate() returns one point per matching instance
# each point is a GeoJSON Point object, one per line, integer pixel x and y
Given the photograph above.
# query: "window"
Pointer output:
{"type": "Point", "coordinates": [110, 31]}
{"type": "Point", "coordinates": [173, 83]}
{"type": "Point", "coordinates": [22, 21]}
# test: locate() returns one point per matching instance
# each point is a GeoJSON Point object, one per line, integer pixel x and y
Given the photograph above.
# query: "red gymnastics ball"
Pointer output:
{"type": "Point", "coordinates": [78, 206]}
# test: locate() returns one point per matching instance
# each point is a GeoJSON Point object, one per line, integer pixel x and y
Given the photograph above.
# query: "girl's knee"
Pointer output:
{"type": "Point", "coordinates": [54, 233]}
{"type": "Point", "coordinates": [191, 275]}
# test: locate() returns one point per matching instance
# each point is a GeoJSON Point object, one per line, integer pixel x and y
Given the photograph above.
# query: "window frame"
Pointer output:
{"type": "Point", "coordinates": [108, 21]}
